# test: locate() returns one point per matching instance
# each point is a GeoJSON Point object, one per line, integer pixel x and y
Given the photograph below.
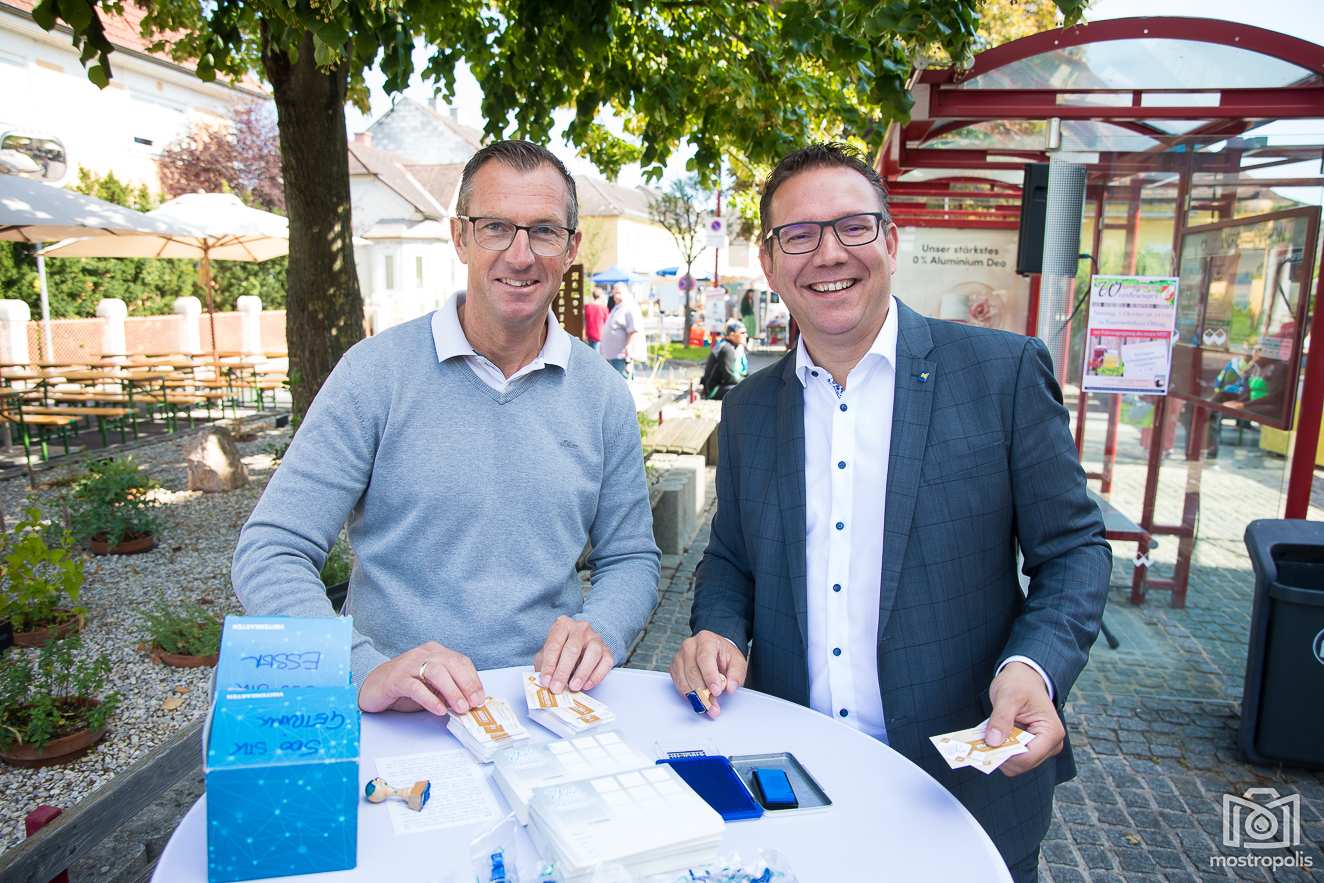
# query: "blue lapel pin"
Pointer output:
{"type": "Point", "coordinates": [923, 377]}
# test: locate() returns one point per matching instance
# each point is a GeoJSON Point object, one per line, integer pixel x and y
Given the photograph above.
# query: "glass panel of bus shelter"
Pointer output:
{"type": "Point", "coordinates": [1148, 252]}
{"type": "Point", "coordinates": [1003, 176]}
{"type": "Point", "coordinates": [1146, 63]}
{"type": "Point", "coordinates": [1241, 315]}
{"type": "Point", "coordinates": [1077, 135]}
{"type": "Point", "coordinates": [1243, 470]}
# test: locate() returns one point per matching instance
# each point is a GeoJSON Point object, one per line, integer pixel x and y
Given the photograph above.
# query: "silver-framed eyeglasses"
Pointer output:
{"type": "Point", "coordinates": [802, 237]}
{"type": "Point", "coordinates": [497, 234]}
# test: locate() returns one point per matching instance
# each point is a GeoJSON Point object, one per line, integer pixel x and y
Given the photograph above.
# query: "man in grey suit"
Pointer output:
{"type": "Point", "coordinates": [872, 489]}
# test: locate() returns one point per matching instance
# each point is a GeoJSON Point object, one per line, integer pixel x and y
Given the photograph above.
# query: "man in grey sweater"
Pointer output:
{"type": "Point", "coordinates": [473, 452]}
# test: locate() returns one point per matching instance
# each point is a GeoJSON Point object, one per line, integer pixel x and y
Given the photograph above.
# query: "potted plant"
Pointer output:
{"type": "Point", "coordinates": [55, 710]}
{"type": "Point", "coordinates": [112, 510]}
{"type": "Point", "coordinates": [184, 635]}
{"type": "Point", "coordinates": [41, 582]}
{"type": "Point", "coordinates": [336, 571]}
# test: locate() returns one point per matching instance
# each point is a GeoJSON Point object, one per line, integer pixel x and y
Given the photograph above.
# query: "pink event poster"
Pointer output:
{"type": "Point", "coordinates": [1128, 344]}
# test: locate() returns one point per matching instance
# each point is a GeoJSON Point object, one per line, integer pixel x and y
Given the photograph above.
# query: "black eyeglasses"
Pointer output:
{"type": "Point", "coordinates": [497, 234]}
{"type": "Point", "coordinates": [802, 237]}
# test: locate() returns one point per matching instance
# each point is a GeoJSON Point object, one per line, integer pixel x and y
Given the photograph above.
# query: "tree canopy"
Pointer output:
{"type": "Point", "coordinates": [744, 80]}
{"type": "Point", "coordinates": [757, 79]}
{"type": "Point", "coordinates": [240, 157]}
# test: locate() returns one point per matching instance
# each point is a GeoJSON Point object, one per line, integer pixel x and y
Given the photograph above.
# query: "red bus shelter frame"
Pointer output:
{"type": "Point", "coordinates": [942, 106]}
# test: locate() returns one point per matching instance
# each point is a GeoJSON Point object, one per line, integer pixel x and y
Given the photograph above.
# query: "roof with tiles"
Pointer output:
{"type": "Point", "coordinates": [430, 189]}
{"type": "Point", "coordinates": [423, 135]}
{"type": "Point", "coordinates": [599, 198]}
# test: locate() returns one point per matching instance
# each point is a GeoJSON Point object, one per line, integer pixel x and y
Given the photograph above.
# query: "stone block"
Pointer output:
{"type": "Point", "coordinates": [213, 462]}
{"type": "Point", "coordinates": [674, 518]}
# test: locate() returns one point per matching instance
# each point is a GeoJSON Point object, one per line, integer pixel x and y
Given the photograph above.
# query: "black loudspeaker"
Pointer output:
{"type": "Point", "coordinates": [1034, 212]}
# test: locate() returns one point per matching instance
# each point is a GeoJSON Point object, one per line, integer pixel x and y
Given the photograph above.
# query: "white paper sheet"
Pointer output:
{"type": "Point", "coordinates": [1145, 361]}
{"type": "Point", "coordinates": [460, 793]}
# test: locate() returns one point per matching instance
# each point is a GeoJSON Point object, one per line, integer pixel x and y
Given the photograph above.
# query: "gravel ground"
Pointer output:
{"type": "Point", "coordinates": [192, 560]}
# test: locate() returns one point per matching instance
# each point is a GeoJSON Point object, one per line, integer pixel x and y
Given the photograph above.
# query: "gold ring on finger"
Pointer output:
{"type": "Point", "coordinates": [423, 669]}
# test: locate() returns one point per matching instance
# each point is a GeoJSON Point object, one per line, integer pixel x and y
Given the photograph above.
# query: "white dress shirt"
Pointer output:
{"type": "Point", "coordinates": [848, 439]}
{"type": "Point", "coordinates": [448, 336]}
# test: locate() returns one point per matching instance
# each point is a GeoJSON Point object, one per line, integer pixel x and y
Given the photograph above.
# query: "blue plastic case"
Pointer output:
{"type": "Point", "coordinates": [714, 779]}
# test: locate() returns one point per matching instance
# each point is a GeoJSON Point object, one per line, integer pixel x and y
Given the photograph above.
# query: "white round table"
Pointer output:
{"type": "Point", "coordinates": [888, 819]}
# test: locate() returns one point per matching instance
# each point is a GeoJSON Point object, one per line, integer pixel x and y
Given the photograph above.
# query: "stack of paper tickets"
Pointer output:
{"type": "Point", "coordinates": [487, 729]}
{"type": "Point", "coordinates": [525, 766]}
{"type": "Point", "coordinates": [649, 821]}
{"type": "Point", "coordinates": [968, 748]}
{"type": "Point", "coordinates": [565, 714]}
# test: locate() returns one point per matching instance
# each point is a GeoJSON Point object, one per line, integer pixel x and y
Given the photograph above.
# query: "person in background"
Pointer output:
{"type": "Point", "coordinates": [637, 346]}
{"type": "Point", "coordinates": [1229, 386]}
{"type": "Point", "coordinates": [623, 333]}
{"type": "Point", "coordinates": [595, 316]}
{"type": "Point", "coordinates": [747, 312]}
{"type": "Point", "coordinates": [727, 364]}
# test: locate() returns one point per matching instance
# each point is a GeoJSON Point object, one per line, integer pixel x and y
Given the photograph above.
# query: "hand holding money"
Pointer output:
{"type": "Point", "coordinates": [1020, 698]}
{"type": "Point", "coordinates": [968, 748]}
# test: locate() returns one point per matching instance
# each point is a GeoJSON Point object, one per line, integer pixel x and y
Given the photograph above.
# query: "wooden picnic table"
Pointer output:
{"type": "Point", "coordinates": [89, 396]}
{"type": "Point", "coordinates": [81, 411]}
{"type": "Point", "coordinates": [111, 374]}
{"type": "Point", "coordinates": [64, 363]}
{"type": "Point", "coordinates": [266, 354]}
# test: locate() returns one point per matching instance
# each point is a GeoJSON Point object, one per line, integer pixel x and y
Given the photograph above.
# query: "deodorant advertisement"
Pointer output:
{"type": "Point", "coordinates": [966, 276]}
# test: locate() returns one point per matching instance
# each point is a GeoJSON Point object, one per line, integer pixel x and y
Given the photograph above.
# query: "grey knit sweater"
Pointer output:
{"type": "Point", "coordinates": [467, 508]}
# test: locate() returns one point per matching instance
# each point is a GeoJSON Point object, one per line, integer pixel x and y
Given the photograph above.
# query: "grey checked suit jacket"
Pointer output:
{"type": "Point", "coordinates": [981, 457]}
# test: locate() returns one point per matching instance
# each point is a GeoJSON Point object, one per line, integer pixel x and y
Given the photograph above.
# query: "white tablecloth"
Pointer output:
{"type": "Point", "coordinates": [889, 819]}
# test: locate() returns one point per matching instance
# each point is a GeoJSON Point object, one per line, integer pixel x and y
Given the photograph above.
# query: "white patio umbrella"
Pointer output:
{"type": "Point", "coordinates": [33, 211]}
{"type": "Point", "coordinates": [224, 229]}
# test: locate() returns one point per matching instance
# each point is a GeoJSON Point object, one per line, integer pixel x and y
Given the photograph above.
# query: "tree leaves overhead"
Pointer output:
{"type": "Point", "coordinates": [751, 80]}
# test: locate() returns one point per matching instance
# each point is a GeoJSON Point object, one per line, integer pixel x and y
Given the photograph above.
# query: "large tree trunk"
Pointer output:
{"type": "Point", "coordinates": [324, 309]}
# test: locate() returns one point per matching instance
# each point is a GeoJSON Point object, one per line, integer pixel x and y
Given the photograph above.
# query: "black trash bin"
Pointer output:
{"type": "Point", "coordinates": [1282, 708]}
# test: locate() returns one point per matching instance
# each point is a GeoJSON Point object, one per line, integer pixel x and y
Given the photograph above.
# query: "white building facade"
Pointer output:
{"type": "Point", "coordinates": [150, 101]}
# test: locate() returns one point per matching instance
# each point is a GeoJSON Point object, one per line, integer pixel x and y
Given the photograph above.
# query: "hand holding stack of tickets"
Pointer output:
{"type": "Point", "coordinates": [968, 748]}
{"type": "Point", "coordinates": [566, 714]}
{"type": "Point", "coordinates": [487, 729]}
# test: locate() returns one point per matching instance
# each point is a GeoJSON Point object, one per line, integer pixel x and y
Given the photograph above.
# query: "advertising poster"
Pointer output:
{"type": "Point", "coordinates": [966, 276]}
{"type": "Point", "coordinates": [1128, 344]}
{"type": "Point", "coordinates": [716, 308]}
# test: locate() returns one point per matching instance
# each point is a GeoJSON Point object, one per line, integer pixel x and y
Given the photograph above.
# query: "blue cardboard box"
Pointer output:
{"type": "Point", "coordinates": [281, 750]}
{"type": "Point", "coordinates": [260, 653]}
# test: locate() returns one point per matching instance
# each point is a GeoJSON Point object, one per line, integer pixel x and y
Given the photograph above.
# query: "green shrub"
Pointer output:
{"type": "Point", "coordinates": [660, 352]}
{"type": "Point", "coordinates": [40, 574]}
{"type": "Point", "coordinates": [48, 700]}
{"type": "Point", "coordinates": [339, 563]}
{"type": "Point", "coordinates": [186, 628]}
{"type": "Point", "coordinates": [277, 451]}
{"type": "Point", "coordinates": [113, 502]}
{"type": "Point", "coordinates": [646, 423]}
